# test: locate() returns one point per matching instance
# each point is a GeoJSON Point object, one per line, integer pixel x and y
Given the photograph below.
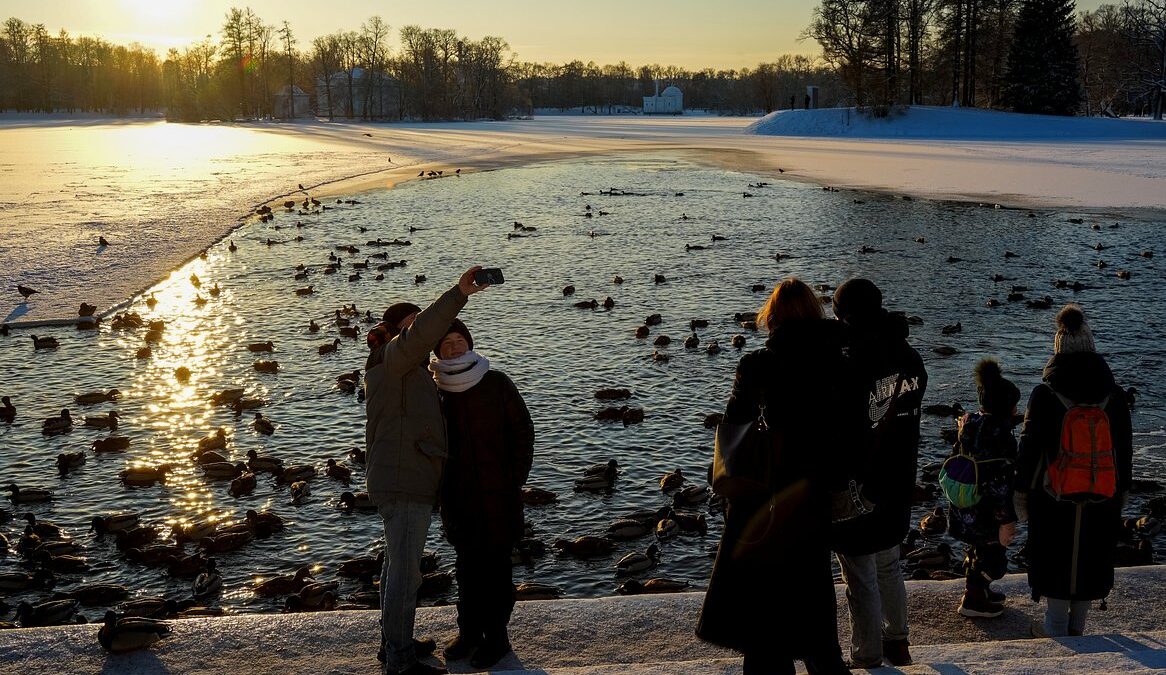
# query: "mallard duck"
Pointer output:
{"type": "Point", "coordinates": [51, 613]}
{"type": "Point", "coordinates": [934, 523]}
{"type": "Point", "coordinates": [114, 523]}
{"type": "Point", "coordinates": [195, 531]}
{"type": "Point", "coordinates": [152, 300]}
{"type": "Point", "coordinates": [144, 353]}
{"type": "Point", "coordinates": [313, 327]}
{"type": "Point", "coordinates": [270, 367]}
{"type": "Point", "coordinates": [328, 347]}
{"type": "Point", "coordinates": [642, 332]}
{"type": "Point", "coordinates": [634, 587]}
{"type": "Point", "coordinates": [243, 485]}
{"type": "Point", "coordinates": [537, 591]}
{"type": "Point", "coordinates": [672, 480]}
{"type": "Point", "coordinates": [44, 528]}
{"type": "Point", "coordinates": [226, 542]}
{"type": "Point", "coordinates": [627, 529]}
{"type": "Point", "coordinates": [263, 523]}
{"type": "Point", "coordinates": [268, 346]}
{"type": "Point", "coordinates": [8, 411]}
{"type": "Point", "coordinates": [363, 566]}
{"type": "Point", "coordinates": [57, 547]}
{"type": "Point", "coordinates": [67, 461]}
{"type": "Point", "coordinates": [319, 594]}
{"type": "Point", "coordinates": [299, 472]}
{"type": "Point", "coordinates": [738, 341]}
{"type": "Point", "coordinates": [358, 501]}
{"type": "Point", "coordinates": [29, 541]}
{"type": "Point", "coordinates": [536, 496]}
{"type": "Point", "coordinates": [223, 470]}
{"type": "Point", "coordinates": [263, 425]}
{"type": "Point", "coordinates": [18, 582]}
{"type": "Point", "coordinates": [324, 602]}
{"type": "Point", "coordinates": [61, 563]}
{"type": "Point", "coordinates": [666, 529]}
{"type": "Point", "coordinates": [156, 554]}
{"type": "Point", "coordinates": [182, 374]}
{"type": "Point", "coordinates": [357, 455]}
{"type": "Point", "coordinates": [185, 567]}
{"type": "Point", "coordinates": [260, 463]}
{"type": "Point", "coordinates": [638, 562]}
{"type": "Point", "coordinates": [208, 583]}
{"type": "Point", "coordinates": [28, 495]}
{"type": "Point", "coordinates": [931, 558]}
{"type": "Point", "coordinates": [660, 357]}
{"type": "Point", "coordinates": [109, 421]}
{"type": "Point", "coordinates": [594, 483]}
{"type": "Point", "coordinates": [245, 404]}
{"type": "Point", "coordinates": [585, 546]}
{"type": "Point", "coordinates": [226, 396]}
{"type": "Point", "coordinates": [58, 425]}
{"type": "Point", "coordinates": [143, 476]}
{"type": "Point", "coordinates": [213, 441]}
{"type": "Point", "coordinates": [691, 342]}
{"type": "Point", "coordinates": [111, 444]}
{"type": "Point", "coordinates": [712, 348]}
{"type": "Point", "coordinates": [338, 471]}
{"type": "Point", "coordinates": [690, 494]}
{"type": "Point", "coordinates": [92, 595]}
{"type": "Point", "coordinates": [435, 583]}
{"type": "Point", "coordinates": [689, 522]}
{"type": "Point", "coordinates": [209, 457]}
{"type": "Point", "coordinates": [44, 343]}
{"type": "Point", "coordinates": [93, 397]}
{"type": "Point", "coordinates": [284, 585]}
{"type": "Point", "coordinates": [149, 607]}
{"type": "Point", "coordinates": [659, 278]}
{"type": "Point", "coordinates": [136, 537]}
{"type": "Point", "coordinates": [300, 491]}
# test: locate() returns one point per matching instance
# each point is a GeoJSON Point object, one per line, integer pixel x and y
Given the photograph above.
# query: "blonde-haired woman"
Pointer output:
{"type": "Point", "coordinates": [771, 595]}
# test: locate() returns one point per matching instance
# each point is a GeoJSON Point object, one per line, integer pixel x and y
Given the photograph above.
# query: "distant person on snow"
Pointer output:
{"type": "Point", "coordinates": [491, 448]}
{"type": "Point", "coordinates": [977, 480]}
{"type": "Point", "coordinates": [1073, 474]}
{"type": "Point", "coordinates": [405, 438]}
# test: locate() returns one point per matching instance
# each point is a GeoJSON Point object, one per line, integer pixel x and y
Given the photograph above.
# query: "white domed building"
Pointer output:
{"type": "Point", "coordinates": [667, 102]}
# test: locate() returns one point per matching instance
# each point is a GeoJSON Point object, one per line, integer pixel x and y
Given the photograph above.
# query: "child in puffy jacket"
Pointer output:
{"type": "Point", "coordinates": [985, 453]}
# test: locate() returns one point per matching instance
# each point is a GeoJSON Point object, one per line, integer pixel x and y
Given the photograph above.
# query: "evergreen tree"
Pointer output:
{"type": "Point", "coordinates": [1042, 72]}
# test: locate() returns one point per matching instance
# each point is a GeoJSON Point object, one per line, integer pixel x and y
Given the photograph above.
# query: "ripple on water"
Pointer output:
{"type": "Point", "coordinates": [558, 355]}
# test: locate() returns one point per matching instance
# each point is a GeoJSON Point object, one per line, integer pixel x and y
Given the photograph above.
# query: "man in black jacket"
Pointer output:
{"type": "Point", "coordinates": [888, 380]}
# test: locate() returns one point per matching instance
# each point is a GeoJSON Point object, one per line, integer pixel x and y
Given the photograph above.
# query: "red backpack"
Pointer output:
{"type": "Point", "coordinates": [1084, 468]}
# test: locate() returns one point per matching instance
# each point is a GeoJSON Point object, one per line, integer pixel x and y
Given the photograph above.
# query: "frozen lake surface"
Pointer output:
{"type": "Point", "coordinates": [557, 354]}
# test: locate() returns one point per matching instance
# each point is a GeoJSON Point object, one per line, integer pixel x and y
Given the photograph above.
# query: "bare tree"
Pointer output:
{"type": "Point", "coordinates": [1146, 28]}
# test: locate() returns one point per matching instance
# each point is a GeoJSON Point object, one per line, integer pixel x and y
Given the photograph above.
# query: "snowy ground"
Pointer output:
{"type": "Point", "coordinates": [163, 192]}
{"type": "Point", "coordinates": [645, 634]}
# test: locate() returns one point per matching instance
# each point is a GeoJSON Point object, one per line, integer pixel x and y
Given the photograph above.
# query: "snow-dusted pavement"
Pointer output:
{"type": "Point", "coordinates": [641, 635]}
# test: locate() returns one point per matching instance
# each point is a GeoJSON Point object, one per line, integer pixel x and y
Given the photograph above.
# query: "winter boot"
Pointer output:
{"type": "Point", "coordinates": [896, 652]}
{"type": "Point", "coordinates": [975, 603]}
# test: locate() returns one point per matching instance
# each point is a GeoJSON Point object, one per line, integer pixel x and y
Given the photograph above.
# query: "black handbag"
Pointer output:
{"type": "Point", "coordinates": [743, 457]}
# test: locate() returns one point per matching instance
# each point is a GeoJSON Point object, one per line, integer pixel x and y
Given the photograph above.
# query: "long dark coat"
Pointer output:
{"type": "Point", "coordinates": [772, 589]}
{"type": "Point", "coordinates": [491, 449]}
{"type": "Point", "coordinates": [1071, 546]}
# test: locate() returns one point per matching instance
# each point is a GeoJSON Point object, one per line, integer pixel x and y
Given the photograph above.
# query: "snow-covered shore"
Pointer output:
{"type": "Point", "coordinates": [164, 192]}
{"type": "Point", "coordinates": [641, 634]}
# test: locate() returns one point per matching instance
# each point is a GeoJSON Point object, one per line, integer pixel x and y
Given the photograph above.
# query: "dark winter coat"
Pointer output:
{"type": "Point", "coordinates": [1071, 546]}
{"type": "Point", "coordinates": [491, 448]}
{"type": "Point", "coordinates": [772, 589]}
{"type": "Point", "coordinates": [988, 439]}
{"type": "Point", "coordinates": [886, 454]}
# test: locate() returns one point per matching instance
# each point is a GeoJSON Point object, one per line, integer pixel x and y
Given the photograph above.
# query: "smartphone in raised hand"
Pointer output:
{"type": "Point", "coordinates": [489, 275]}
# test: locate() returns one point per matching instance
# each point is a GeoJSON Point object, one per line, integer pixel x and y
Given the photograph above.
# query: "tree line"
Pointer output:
{"type": "Point", "coordinates": [1026, 55]}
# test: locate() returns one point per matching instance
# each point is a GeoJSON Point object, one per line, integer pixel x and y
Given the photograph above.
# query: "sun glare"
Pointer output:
{"type": "Point", "coordinates": [157, 12]}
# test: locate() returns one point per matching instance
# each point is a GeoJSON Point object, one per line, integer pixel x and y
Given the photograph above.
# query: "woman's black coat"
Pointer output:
{"type": "Point", "coordinates": [491, 449]}
{"type": "Point", "coordinates": [772, 589]}
{"type": "Point", "coordinates": [1071, 546]}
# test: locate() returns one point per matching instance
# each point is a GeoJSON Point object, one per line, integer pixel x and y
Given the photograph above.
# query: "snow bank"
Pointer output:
{"type": "Point", "coordinates": [643, 634]}
{"type": "Point", "coordinates": [928, 122]}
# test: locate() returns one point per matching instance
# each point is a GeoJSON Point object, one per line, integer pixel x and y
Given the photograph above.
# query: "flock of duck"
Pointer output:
{"type": "Point", "coordinates": [53, 559]}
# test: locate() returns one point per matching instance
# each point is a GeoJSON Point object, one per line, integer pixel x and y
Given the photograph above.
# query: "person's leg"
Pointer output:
{"type": "Point", "coordinates": [992, 559]}
{"type": "Point", "coordinates": [469, 601]}
{"type": "Point", "coordinates": [865, 606]}
{"type": "Point", "coordinates": [406, 526]}
{"type": "Point", "coordinates": [497, 605]}
{"type": "Point", "coordinates": [979, 567]}
{"type": "Point", "coordinates": [1078, 613]}
{"type": "Point", "coordinates": [893, 593]}
{"type": "Point", "coordinates": [1056, 617]}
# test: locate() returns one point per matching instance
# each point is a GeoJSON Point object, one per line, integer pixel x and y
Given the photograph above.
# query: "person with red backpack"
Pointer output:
{"type": "Point", "coordinates": [1073, 470]}
{"type": "Point", "coordinates": [977, 480]}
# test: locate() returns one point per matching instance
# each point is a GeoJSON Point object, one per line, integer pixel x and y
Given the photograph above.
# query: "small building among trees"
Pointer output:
{"type": "Point", "coordinates": [289, 102]}
{"type": "Point", "coordinates": [358, 93]}
{"type": "Point", "coordinates": [667, 102]}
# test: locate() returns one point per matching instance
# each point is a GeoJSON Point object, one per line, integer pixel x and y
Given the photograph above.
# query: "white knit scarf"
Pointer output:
{"type": "Point", "coordinates": [461, 373]}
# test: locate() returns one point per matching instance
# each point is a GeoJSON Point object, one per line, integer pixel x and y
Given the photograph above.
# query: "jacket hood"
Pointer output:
{"type": "Point", "coordinates": [1083, 377]}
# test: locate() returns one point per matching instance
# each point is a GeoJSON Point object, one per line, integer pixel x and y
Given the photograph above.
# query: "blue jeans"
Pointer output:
{"type": "Point", "coordinates": [1066, 617]}
{"type": "Point", "coordinates": [877, 599]}
{"type": "Point", "coordinates": [406, 527]}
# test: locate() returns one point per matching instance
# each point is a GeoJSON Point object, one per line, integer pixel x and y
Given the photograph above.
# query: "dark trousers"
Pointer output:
{"type": "Point", "coordinates": [983, 564]}
{"type": "Point", "coordinates": [485, 591]}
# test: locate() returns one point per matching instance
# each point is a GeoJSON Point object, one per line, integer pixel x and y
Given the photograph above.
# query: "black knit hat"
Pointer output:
{"type": "Point", "coordinates": [456, 327]}
{"type": "Point", "coordinates": [998, 396]}
{"type": "Point", "coordinates": [857, 298]}
{"type": "Point", "coordinates": [395, 313]}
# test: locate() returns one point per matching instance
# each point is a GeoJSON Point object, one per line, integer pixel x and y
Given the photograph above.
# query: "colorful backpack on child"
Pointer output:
{"type": "Point", "coordinates": [959, 477]}
{"type": "Point", "coordinates": [1084, 468]}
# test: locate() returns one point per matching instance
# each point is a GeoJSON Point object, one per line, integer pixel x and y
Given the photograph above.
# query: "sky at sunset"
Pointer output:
{"type": "Point", "coordinates": [687, 33]}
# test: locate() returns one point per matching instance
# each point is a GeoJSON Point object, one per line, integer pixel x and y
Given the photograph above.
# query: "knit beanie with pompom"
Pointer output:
{"type": "Point", "coordinates": [1073, 333]}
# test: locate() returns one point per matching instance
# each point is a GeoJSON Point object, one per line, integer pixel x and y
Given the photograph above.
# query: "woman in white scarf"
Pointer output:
{"type": "Point", "coordinates": [491, 448]}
